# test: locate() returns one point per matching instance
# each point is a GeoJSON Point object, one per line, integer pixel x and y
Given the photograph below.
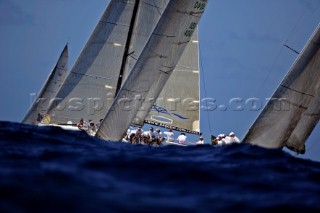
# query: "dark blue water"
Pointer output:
{"type": "Point", "coordinates": [51, 170]}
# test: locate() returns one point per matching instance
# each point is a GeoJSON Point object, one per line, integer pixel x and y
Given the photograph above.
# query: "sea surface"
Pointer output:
{"type": "Point", "coordinates": [47, 169]}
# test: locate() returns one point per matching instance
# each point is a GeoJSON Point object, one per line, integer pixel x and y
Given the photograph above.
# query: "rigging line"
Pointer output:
{"type": "Point", "coordinates": [297, 23]}
{"type": "Point", "coordinates": [280, 52]}
{"type": "Point", "coordinates": [269, 72]}
{"type": "Point", "coordinates": [204, 86]}
{"type": "Point", "coordinates": [313, 13]}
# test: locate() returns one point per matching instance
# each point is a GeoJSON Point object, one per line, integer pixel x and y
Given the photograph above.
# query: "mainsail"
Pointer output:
{"type": "Point", "coordinates": [49, 90]}
{"type": "Point", "coordinates": [106, 60]}
{"type": "Point", "coordinates": [177, 106]}
{"type": "Point", "coordinates": [297, 97]}
{"type": "Point", "coordinates": [156, 62]}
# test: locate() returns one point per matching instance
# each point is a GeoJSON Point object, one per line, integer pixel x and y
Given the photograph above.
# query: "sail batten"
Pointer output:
{"type": "Point", "coordinates": [287, 110]}
{"type": "Point", "coordinates": [159, 52]}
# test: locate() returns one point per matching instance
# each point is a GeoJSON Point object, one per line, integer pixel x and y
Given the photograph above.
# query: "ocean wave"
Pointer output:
{"type": "Point", "coordinates": [48, 169]}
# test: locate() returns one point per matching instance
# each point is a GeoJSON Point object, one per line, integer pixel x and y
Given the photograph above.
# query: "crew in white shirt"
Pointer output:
{"type": "Point", "coordinates": [182, 139]}
{"type": "Point", "coordinates": [169, 135]}
{"type": "Point", "coordinates": [233, 138]}
{"type": "Point", "coordinates": [201, 141]}
{"type": "Point", "coordinates": [221, 140]}
{"type": "Point", "coordinates": [145, 137]}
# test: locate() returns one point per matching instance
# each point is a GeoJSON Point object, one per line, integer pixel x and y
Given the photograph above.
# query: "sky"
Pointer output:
{"type": "Point", "coordinates": [242, 53]}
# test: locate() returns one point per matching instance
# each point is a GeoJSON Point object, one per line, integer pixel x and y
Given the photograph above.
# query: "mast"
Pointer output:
{"type": "Point", "coordinates": [127, 46]}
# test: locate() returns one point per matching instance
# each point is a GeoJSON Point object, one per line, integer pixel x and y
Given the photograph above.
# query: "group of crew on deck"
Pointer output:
{"type": "Point", "coordinates": [152, 136]}
{"type": "Point", "coordinates": [89, 127]}
{"type": "Point", "coordinates": [148, 137]}
{"type": "Point", "coordinates": [224, 139]}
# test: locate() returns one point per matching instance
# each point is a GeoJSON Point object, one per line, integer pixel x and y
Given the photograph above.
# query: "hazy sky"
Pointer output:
{"type": "Point", "coordinates": [241, 46]}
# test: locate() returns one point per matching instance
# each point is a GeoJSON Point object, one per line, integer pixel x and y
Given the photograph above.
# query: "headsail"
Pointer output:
{"type": "Point", "coordinates": [290, 102]}
{"type": "Point", "coordinates": [307, 123]}
{"type": "Point", "coordinates": [49, 90]}
{"type": "Point", "coordinates": [177, 105]}
{"type": "Point", "coordinates": [106, 60]}
{"type": "Point", "coordinates": [91, 85]}
{"type": "Point", "coordinates": [156, 62]}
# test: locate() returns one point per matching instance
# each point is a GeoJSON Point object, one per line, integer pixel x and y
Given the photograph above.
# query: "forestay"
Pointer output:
{"type": "Point", "coordinates": [177, 106]}
{"type": "Point", "coordinates": [157, 60]}
{"type": "Point", "coordinates": [91, 85]}
{"type": "Point", "coordinates": [297, 96]}
{"type": "Point", "coordinates": [49, 90]}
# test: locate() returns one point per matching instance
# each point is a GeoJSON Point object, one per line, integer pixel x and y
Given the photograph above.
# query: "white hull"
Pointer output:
{"type": "Point", "coordinates": [75, 128]}
{"type": "Point", "coordinates": [173, 143]}
{"type": "Point", "coordinates": [65, 127]}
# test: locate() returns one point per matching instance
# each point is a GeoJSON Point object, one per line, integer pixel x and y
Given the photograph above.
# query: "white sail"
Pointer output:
{"type": "Point", "coordinates": [148, 15]}
{"type": "Point", "coordinates": [141, 18]}
{"type": "Point", "coordinates": [307, 123]}
{"type": "Point", "coordinates": [49, 90]}
{"type": "Point", "coordinates": [157, 61]}
{"type": "Point", "coordinates": [177, 106]}
{"type": "Point", "coordinates": [91, 85]}
{"type": "Point", "coordinates": [290, 101]}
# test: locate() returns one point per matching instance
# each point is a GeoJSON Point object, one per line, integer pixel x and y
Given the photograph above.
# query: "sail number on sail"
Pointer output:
{"type": "Point", "coordinates": [191, 29]}
{"type": "Point", "coordinates": [200, 5]}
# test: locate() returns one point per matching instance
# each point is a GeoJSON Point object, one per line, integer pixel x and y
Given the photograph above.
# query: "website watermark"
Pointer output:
{"type": "Point", "coordinates": [95, 104]}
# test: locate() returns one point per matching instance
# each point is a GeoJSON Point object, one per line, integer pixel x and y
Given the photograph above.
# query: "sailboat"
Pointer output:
{"type": "Point", "coordinates": [48, 91]}
{"type": "Point", "coordinates": [177, 108]}
{"type": "Point", "coordinates": [131, 54]}
{"type": "Point", "coordinates": [111, 74]}
{"type": "Point", "coordinates": [154, 66]}
{"type": "Point", "coordinates": [293, 111]}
